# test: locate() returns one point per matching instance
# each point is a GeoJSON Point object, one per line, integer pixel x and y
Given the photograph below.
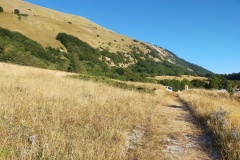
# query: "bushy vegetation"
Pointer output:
{"type": "Point", "coordinates": [167, 68]}
{"type": "Point", "coordinates": [16, 48]}
{"type": "Point", "coordinates": [213, 82]}
{"type": "Point", "coordinates": [233, 76]}
{"type": "Point", "coordinates": [16, 11]}
{"type": "Point", "coordinates": [90, 58]}
{"type": "Point", "coordinates": [221, 82]}
{"type": "Point", "coordinates": [1, 9]}
{"type": "Point", "coordinates": [198, 70]}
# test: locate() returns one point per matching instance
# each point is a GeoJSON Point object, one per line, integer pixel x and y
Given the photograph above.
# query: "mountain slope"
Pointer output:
{"type": "Point", "coordinates": [43, 25]}
{"type": "Point", "coordinates": [120, 54]}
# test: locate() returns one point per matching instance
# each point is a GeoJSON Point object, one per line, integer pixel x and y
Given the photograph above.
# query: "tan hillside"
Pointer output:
{"type": "Point", "coordinates": [42, 25]}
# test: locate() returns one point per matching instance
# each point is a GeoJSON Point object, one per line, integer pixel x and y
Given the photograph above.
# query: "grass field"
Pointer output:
{"type": "Point", "coordinates": [47, 114]}
{"type": "Point", "coordinates": [73, 119]}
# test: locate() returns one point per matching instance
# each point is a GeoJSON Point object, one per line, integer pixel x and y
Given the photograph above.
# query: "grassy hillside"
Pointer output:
{"type": "Point", "coordinates": [44, 24]}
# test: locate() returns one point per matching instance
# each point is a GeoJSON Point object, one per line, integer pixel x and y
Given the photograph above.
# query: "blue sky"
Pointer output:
{"type": "Point", "coordinates": [203, 32]}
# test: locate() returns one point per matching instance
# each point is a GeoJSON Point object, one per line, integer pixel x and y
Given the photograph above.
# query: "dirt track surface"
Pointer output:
{"type": "Point", "coordinates": [185, 138]}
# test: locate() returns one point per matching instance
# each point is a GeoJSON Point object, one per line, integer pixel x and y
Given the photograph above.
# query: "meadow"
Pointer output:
{"type": "Point", "coordinates": [220, 113]}
{"type": "Point", "coordinates": [46, 114]}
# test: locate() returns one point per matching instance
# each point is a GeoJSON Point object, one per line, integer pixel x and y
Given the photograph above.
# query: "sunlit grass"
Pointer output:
{"type": "Point", "coordinates": [220, 112]}
{"type": "Point", "coordinates": [71, 118]}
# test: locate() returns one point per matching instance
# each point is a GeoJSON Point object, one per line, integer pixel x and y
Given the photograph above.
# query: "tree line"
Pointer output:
{"type": "Point", "coordinates": [233, 76]}
{"type": "Point", "coordinates": [213, 82]}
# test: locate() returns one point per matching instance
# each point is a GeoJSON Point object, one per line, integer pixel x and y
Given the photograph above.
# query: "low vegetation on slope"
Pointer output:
{"type": "Point", "coordinates": [220, 113]}
{"type": "Point", "coordinates": [16, 48]}
{"type": "Point", "coordinates": [45, 115]}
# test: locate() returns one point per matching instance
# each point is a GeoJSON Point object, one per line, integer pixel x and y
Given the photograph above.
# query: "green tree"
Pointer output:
{"type": "Point", "coordinates": [75, 64]}
{"type": "Point", "coordinates": [198, 83]}
{"type": "Point", "coordinates": [214, 82]}
{"type": "Point", "coordinates": [219, 81]}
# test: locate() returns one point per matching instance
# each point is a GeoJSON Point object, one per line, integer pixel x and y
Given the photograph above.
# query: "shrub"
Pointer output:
{"type": "Point", "coordinates": [1, 9]}
{"type": "Point", "coordinates": [19, 17]}
{"type": "Point", "coordinates": [16, 11]}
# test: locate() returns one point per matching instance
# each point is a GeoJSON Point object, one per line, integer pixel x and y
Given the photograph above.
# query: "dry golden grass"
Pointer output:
{"type": "Point", "coordinates": [180, 78]}
{"type": "Point", "coordinates": [221, 113]}
{"type": "Point", "coordinates": [206, 102]}
{"type": "Point", "coordinates": [45, 114]}
{"type": "Point", "coordinates": [72, 119]}
{"type": "Point", "coordinates": [44, 24]}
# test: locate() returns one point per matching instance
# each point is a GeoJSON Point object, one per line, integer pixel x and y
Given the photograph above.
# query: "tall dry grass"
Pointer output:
{"type": "Point", "coordinates": [72, 119]}
{"type": "Point", "coordinates": [220, 112]}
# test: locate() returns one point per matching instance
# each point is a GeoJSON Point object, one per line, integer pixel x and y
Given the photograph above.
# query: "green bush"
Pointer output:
{"type": "Point", "coordinates": [1, 9]}
{"type": "Point", "coordinates": [16, 11]}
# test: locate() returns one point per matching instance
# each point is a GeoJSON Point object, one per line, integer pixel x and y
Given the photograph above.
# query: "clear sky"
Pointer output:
{"type": "Point", "coordinates": [203, 32]}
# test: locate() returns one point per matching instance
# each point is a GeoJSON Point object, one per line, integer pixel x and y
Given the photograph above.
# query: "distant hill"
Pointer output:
{"type": "Point", "coordinates": [45, 38]}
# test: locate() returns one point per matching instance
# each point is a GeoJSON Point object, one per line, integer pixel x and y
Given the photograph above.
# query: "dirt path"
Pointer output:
{"type": "Point", "coordinates": [184, 138]}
